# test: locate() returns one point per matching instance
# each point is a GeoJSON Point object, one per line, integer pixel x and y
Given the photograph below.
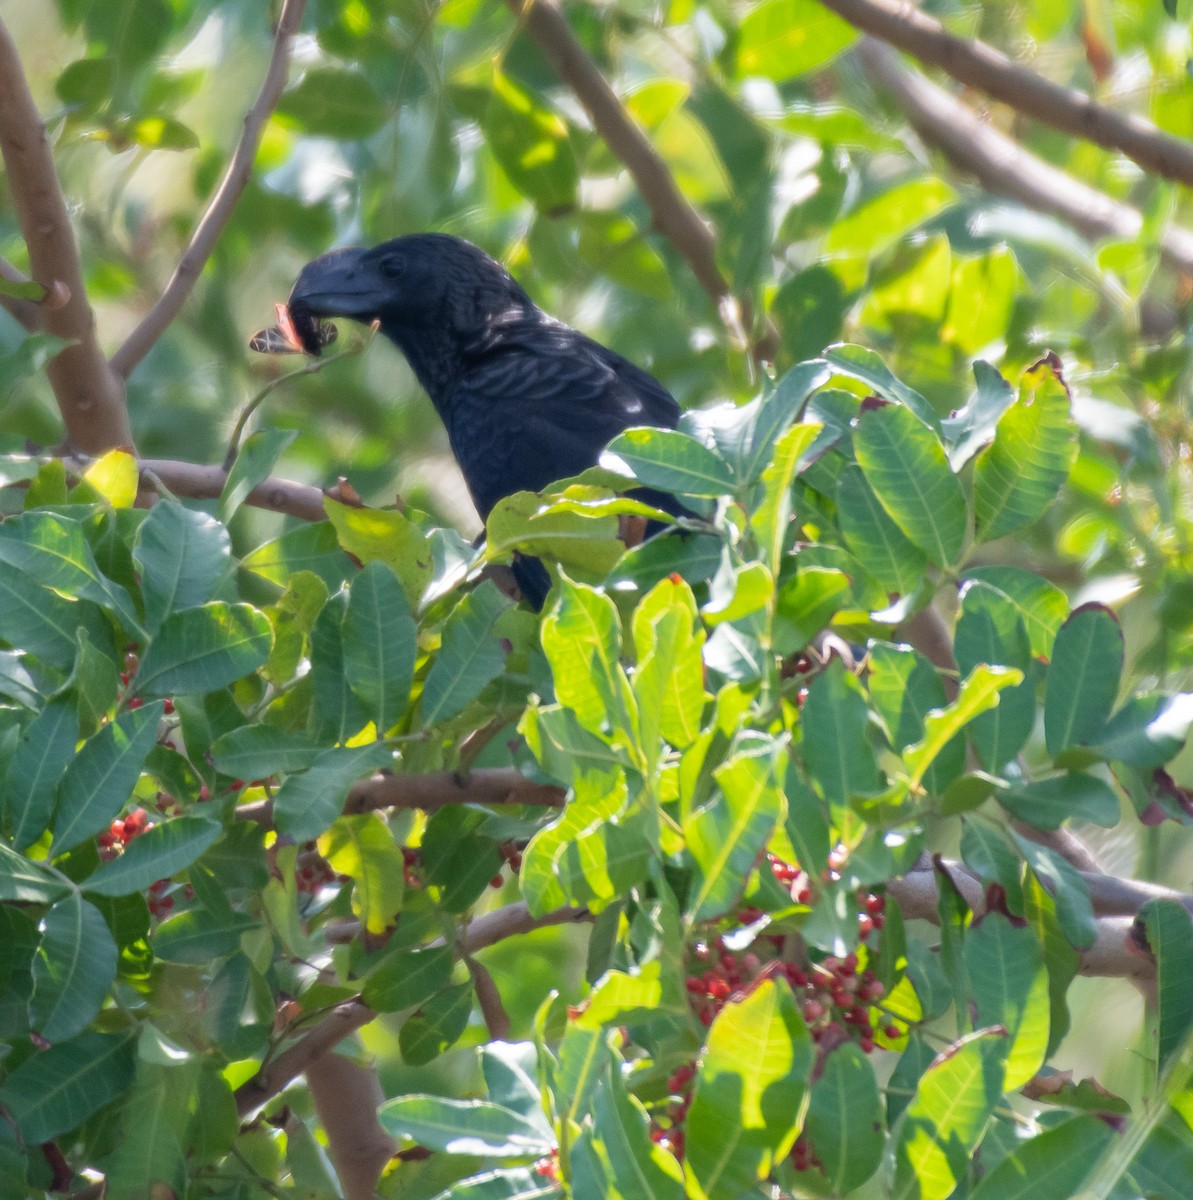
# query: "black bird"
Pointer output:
{"type": "Point", "coordinates": [525, 398]}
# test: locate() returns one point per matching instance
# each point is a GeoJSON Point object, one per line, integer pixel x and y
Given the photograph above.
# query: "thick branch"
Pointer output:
{"type": "Point", "coordinates": [1003, 166]}
{"type": "Point", "coordinates": [432, 791]}
{"type": "Point", "coordinates": [222, 203]}
{"type": "Point", "coordinates": [674, 217]}
{"type": "Point", "coordinates": [1111, 956]}
{"type": "Point", "coordinates": [347, 1018]}
{"type": "Point", "coordinates": [981, 66]}
{"type": "Point", "coordinates": [90, 395]}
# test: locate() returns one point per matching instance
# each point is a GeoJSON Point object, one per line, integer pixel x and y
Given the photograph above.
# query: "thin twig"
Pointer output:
{"type": "Point", "coordinates": [1003, 166]}
{"type": "Point", "coordinates": [90, 395]}
{"type": "Point", "coordinates": [223, 202]}
{"type": "Point", "coordinates": [978, 65]}
{"type": "Point", "coordinates": [674, 217]}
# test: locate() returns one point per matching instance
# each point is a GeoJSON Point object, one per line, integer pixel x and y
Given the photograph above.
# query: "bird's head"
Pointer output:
{"type": "Point", "coordinates": [431, 293]}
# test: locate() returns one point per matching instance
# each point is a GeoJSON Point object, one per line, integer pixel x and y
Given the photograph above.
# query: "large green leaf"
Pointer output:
{"type": "Point", "coordinates": [183, 556]}
{"type": "Point", "coordinates": [100, 778]}
{"type": "Point", "coordinates": [1018, 476]}
{"type": "Point", "coordinates": [379, 644]}
{"type": "Point", "coordinates": [671, 461]}
{"type": "Point", "coordinates": [471, 655]}
{"type": "Point", "coordinates": [159, 852]}
{"type": "Point", "coordinates": [308, 802]}
{"type": "Point", "coordinates": [1170, 938]}
{"type": "Point", "coordinates": [405, 978]}
{"type": "Point", "coordinates": [887, 552]}
{"type": "Point", "coordinates": [845, 1118]}
{"type": "Point", "coordinates": [45, 749]}
{"type": "Point", "coordinates": [463, 1127]}
{"type": "Point", "coordinates": [1083, 678]}
{"type": "Point", "coordinates": [904, 462]}
{"type": "Point", "coordinates": [334, 102]}
{"type": "Point", "coordinates": [750, 1091]}
{"type": "Point", "coordinates": [57, 1089]}
{"type": "Point", "coordinates": [73, 969]}
{"type": "Point", "coordinates": [728, 834]}
{"type": "Point", "coordinates": [204, 648]}
{"type": "Point", "coordinates": [260, 751]}
{"type": "Point", "coordinates": [1051, 1165]}
{"type": "Point", "coordinates": [947, 1116]}
{"type": "Point", "coordinates": [1041, 605]}
{"type": "Point", "coordinates": [834, 722]}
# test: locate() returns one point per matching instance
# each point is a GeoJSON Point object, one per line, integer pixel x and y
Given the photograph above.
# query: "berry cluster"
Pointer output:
{"type": "Point", "coordinates": [412, 860]}
{"type": "Point", "coordinates": [513, 857]}
{"type": "Point", "coordinates": [122, 831]}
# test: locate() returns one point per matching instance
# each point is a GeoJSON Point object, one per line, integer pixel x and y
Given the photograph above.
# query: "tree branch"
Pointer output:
{"type": "Point", "coordinates": [431, 792]}
{"type": "Point", "coordinates": [978, 65]}
{"type": "Point", "coordinates": [199, 482]}
{"type": "Point", "coordinates": [90, 395]}
{"type": "Point", "coordinates": [1003, 166]}
{"type": "Point", "coordinates": [674, 217]}
{"type": "Point", "coordinates": [223, 202]}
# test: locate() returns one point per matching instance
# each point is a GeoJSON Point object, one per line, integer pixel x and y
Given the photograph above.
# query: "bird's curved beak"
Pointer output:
{"type": "Point", "coordinates": [339, 284]}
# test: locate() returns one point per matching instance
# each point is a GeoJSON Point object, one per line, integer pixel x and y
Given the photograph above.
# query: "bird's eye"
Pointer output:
{"type": "Point", "coordinates": [391, 268]}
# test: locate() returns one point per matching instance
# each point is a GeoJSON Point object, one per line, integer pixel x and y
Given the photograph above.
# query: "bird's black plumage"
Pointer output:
{"type": "Point", "coordinates": [525, 398]}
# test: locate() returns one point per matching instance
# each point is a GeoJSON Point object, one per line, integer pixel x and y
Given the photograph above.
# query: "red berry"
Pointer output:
{"type": "Point", "coordinates": [495, 882]}
{"type": "Point", "coordinates": [875, 904]}
{"type": "Point", "coordinates": [168, 707]}
{"type": "Point", "coordinates": [813, 1010]}
{"type": "Point", "coordinates": [136, 702]}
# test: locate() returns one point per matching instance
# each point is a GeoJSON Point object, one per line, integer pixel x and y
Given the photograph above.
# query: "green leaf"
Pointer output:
{"type": "Point", "coordinates": [73, 969]}
{"type": "Point", "coordinates": [362, 846]}
{"type": "Point", "coordinates": [845, 1119]}
{"type": "Point", "coordinates": [770, 517]}
{"type": "Point", "coordinates": [1041, 605]}
{"type": "Point", "coordinates": [1034, 449]}
{"type": "Point", "coordinates": [100, 778]}
{"type": "Point", "coordinates": [991, 630]}
{"type": "Point", "coordinates": [307, 803]}
{"type": "Point", "coordinates": [727, 835]}
{"type": "Point", "coordinates": [24, 882]}
{"type": "Point", "coordinates": [1147, 731]}
{"type": "Point", "coordinates": [40, 621]}
{"type": "Point", "coordinates": [947, 1116]}
{"type": "Point", "coordinates": [164, 850]}
{"type": "Point", "coordinates": [44, 751]}
{"type": "Point", "coordinates": [979, 692]}
{"type": "Point", "coordinates": [905, 687]}
{"type": "Point", "coordinates": [581, 636]}
{"type": "Point", "coordinates": [669, 682]}
{"type": "Point", "coordinates": [1050, 1165]}
{"type": "Point", "coordinates": [198, 936]}
{"type": "Point", "coordinates": [750, 1091]}
{"type": "Point", "coordinates": [405, 978]}
{"type": "Point", "coordinates": [388, 536]}
{"type": "Point", "coordinates": [474, 1127]}
{"type": "Point", "coordinates": [261, 751]}
{"type": "Point", "coordinates": [834, 722]}
{"type": "Point", "coordinates": [334, 102]}
{"type": "Point", "coordinates": [887, 552]}
{"type": "Point", "coordinates": [53, 552]}
{"type": "Point", "coordinates": [35, 351]}
{"type": "Point", "coordinates": [1047, 803]}
{"type": "Point", "coordinates": [1009, 986]}
{"type": "Point", "coordinates": [1074, 910]}
{"type": "Point", "coordinates": [204, 648]}
{"type": "Point", "coordinates": [87, 83]}
{"type": "Point", "coordinates": [437, 1025]}
{"type": "Point", "coordinates": [669, 460]}
{"type": "Point", "coordinates": [1169, 929]}
{"type": "Point", "coordinates": [906, 466]}
{"type": "Point", "coordinates": [1083, 678]}
{"type": "Point", "coordinates": [972, 426]}
{"type": "Point", "coordinates": [380, 640]}
{"type": "Point", "coordinates": [255, 458]}
{"type": "Point", "coordinates": [313, 548]}
{"type": "Point", "coordinates": [183, 555]}
{"type": "Point", "coordinates": [531, 144]}
{"type": "Point", "coordinates": [58, 1089]}
{"type": "Point", "coordinates": [338, 714]}
{"type": "Point", "coordinates": [861, 363]}
{"type": "Point", "coordinates": [457, 858]}
{"type": "Point", "coordinates": [469, 658]}
{"type": "Point", "coordinates": [621, 1131]}
{"type": "Point", "coordinates": [784, 38]}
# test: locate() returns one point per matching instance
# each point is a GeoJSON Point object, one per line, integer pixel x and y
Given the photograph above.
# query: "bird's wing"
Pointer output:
{"type": "Point", "coordinates": [527, 416]}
